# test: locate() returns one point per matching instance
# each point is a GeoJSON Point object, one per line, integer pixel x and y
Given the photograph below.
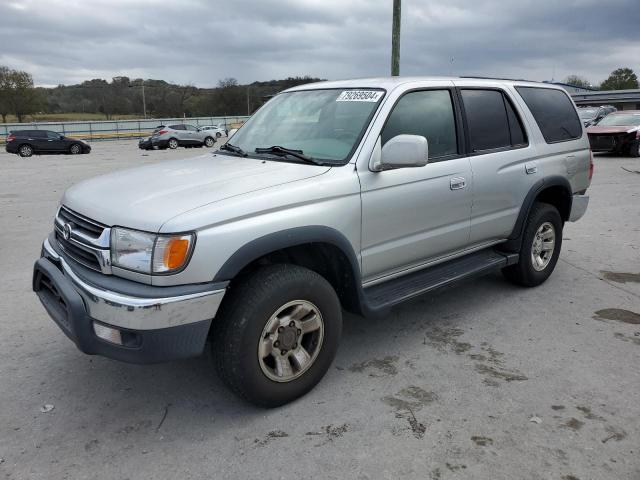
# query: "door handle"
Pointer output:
{"type": "Point", "coordinates": [457, 183]}
{"type": "Point", "coordinates": [530, 168]}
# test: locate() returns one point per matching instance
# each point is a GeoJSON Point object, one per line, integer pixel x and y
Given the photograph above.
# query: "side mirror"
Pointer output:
{"type": "Point", "coordinates": [61, 137]}
{"type": "Point", "coordinates": [402, 151]}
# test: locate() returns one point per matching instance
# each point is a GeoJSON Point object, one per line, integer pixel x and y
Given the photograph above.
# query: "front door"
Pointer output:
{"type": "Point", "coordinates": [54, 143]}
{"type": "Point", "coordinates": [411, 216]}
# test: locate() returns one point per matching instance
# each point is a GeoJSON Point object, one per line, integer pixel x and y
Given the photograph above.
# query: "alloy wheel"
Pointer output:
{"type": "Point", "coordinates": [291, 341]}
{"type": "Point", "coordinates": [543, 245]}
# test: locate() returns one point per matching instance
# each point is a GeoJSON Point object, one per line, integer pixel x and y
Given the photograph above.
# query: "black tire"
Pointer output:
{"type": "Point", "coordinates": [25, 150]}
{"type": "Point", "coordinates": [218, 134]}
{"type": "Point", "coordinates": [239, 324]}
{"type": "Point", "coordinates": [173, 143]}
{"type": "Point", "coordinates": [209, 142]}
{"type": "Point", "coordinates": [634, 149]}
{"type": "Point", "coordinates": [75, 149]}
{"type": "Point", "coordinates": [523, 273]}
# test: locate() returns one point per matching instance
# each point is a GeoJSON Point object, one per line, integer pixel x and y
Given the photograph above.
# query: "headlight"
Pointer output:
{"type": "Point", "coordinates": [149, 253]}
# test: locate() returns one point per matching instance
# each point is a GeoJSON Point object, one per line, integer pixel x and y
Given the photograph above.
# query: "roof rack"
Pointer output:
{"type": "Point", "coordinates": [498, 78]}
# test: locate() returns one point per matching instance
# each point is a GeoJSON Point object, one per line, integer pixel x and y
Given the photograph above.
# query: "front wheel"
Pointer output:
{"type": "Point", "coordinates": [634, 149]}
{"type": "Point", "coordinates": [75, 149]}
{"type": "Point", "coordinates": [276, 334]}
{"type": "Point", "coordinates": [209, 142]}
{"type": "Point", "coordinates": [541, 243]}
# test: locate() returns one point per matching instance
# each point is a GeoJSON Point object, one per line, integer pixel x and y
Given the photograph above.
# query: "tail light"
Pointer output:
{"type": "Point", "coordinates": [11, 137]}
{"type": "Point", "coordinates": [590, 164]}
{"type": "Point", "coordinates": [161, 132]}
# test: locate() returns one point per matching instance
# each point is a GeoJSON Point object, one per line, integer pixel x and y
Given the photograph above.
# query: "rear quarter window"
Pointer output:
{"type": "Point", "coordinates": [554, 113]}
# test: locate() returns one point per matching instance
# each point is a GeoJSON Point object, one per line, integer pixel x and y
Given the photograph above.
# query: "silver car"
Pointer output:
{"type": "Point", "coordinates": [218, 130]}
{"type": "Point", "coordinates": [182, 135]}
{"type": "Point", "coordinates": [351, 195]}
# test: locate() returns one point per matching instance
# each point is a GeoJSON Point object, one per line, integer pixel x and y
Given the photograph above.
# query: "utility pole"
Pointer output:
{"type": "Point", "coordinates": [248, 109]}
{"type": "Point", "coordinates": [144, 102]}
{"type": "Point", "coordinates": [395, 39]}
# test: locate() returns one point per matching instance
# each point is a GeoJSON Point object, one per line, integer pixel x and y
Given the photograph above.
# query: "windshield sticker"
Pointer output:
{"type": "Point", "coordinates": [359, 96]}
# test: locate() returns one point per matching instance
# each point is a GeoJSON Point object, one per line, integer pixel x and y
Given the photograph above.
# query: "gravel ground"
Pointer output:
{"type": "Point", "coordinates": [482, 381]}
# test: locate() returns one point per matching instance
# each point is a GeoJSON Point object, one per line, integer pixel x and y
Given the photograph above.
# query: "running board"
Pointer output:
{"type": "Point", "coordinates": [399, 289]}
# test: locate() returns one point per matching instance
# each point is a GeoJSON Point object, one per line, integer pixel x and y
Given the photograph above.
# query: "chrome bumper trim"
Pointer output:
{"type": "Point", "coordinates": [578, 207]}
{"type": "Point", "coordinates": [140, 313]}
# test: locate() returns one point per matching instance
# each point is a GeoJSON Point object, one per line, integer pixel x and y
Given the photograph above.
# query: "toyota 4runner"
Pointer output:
{"type": "Point", "coordinates": [351, 195]}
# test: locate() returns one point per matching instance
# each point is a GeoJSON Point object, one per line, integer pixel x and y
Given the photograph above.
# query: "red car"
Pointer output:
{"type": "Point", "coordinates": [617, 133]}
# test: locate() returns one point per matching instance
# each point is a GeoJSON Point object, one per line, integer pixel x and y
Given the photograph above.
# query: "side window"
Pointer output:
{"type": "Point", "coordinates": [177, 127]}
{"type": "Point", "coordinates": [486, 119]}
{"type": "Point", "coordinates": [554, 112]}
{"type": "Point", "coordinates": [191, 128]}
{"type": "Point", "coordinates": [38, 134]}
{"type": "Point", "coordinates": [428, 113]}
{"type": "Point", "coordinates": [53, 135]}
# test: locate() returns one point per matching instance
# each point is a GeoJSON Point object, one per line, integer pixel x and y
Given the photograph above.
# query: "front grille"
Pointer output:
{"type": "Point", "coordinates": [88, 258]}
{"type": "Point", "coordinates": [604, 141]}
{"type": "Point", "coordinates": [83, 224]}
{"type": "Point", "coordinates": [88, 242]}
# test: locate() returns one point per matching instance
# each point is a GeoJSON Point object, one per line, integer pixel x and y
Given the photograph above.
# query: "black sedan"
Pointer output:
{"type": "Point", "coordinates": [28, 142]}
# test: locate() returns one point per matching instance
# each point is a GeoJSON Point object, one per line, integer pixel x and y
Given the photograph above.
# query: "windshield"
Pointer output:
{"type": "Point", "coordinates": [621, 120]}
{"type": "Point", "coordinates": [587, 112]}
{"type": "Point", "coordinates": [325, 125]}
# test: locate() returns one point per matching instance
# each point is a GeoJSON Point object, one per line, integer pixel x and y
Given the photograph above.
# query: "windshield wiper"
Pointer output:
{"type": "Point", "coordinates": [278, 150]}
{"type": "Point", "coordinates": [232, 148]}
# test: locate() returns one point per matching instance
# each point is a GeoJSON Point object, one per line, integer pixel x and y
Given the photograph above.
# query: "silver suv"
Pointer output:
{"type": "Point", "coordinates": [354, 195]}
{"type": "Point", "coordinates": [182, 135]}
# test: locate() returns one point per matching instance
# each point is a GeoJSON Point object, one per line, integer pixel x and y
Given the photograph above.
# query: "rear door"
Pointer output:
{"type": "Point", "coordinates": [180, 133]}
{"type": "Point", "coordinates": [38, 140]}
{"type": "Point", "coordinates": [503, 161]}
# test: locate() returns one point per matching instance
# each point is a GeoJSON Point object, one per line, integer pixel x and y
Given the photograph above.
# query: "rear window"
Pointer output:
{"type": "Point", "coordinates": [554, 113]}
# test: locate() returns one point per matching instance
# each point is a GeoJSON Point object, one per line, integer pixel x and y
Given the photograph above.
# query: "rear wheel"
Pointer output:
{"type": "Point", "coordinates": [25, 150]}
{"type": "Point", "coordinates": [540, 249]}
{"type": "Point", "coordinates": [75, 149]}
{"type": "Point", "coordinates": [209, 142]}
{"type": "Point", "coordinates": [172, 143]}
{"type": "Point", "coordinates": [276, 334]}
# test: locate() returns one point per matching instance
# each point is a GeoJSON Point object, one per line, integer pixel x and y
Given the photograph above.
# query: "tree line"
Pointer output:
{"type": "Point", "coordinates": [124, 96]}
{"type": "Point", "coordinates": [620, 79]}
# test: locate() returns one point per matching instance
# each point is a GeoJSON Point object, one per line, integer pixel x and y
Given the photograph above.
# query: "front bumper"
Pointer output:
{"type": "Point", "coordinates": [152, 328]}
{"type": "Point", "coordinates": [578, 207]}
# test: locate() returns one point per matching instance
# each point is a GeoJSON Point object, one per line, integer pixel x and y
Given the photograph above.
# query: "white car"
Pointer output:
{"type": "Point", "coordinates": [219, 129]}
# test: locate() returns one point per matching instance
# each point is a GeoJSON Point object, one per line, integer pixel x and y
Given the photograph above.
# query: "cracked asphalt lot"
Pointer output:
{"type": "Point", "coordinates": [483, 381]}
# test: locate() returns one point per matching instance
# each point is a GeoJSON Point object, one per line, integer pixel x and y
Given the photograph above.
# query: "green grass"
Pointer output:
{"type": "Point", "coordinates": [69, 117]}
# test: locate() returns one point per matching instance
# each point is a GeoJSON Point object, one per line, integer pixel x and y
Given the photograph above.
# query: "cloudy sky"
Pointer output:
{"type": "Point", "coordinates": [200, 42]}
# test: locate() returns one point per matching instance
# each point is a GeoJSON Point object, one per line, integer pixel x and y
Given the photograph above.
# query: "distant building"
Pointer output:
{"type": "Point", "coordinates": [572, 88]}
{"type": "Point", "coordinates": [621, 99]}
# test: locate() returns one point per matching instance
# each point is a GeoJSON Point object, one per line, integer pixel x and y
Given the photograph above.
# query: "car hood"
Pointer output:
{"type": "Point", "coordinates": [146, 197]}
{"type": "Point", "coordinates": [605, 130]}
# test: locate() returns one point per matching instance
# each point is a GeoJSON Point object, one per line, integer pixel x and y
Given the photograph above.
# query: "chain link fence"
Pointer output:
{"type": "Point", "coordinates": [116, 129]}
